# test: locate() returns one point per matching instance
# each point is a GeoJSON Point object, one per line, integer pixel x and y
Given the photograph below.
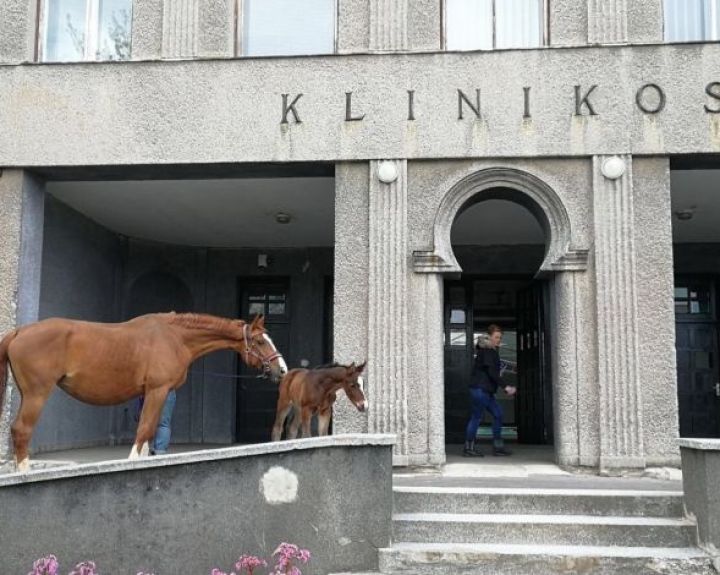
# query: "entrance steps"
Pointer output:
{"type": "Point", "coordinates": [497, 531]}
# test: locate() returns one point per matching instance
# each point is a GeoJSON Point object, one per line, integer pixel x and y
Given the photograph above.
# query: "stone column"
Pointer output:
{"type": "Point", "coordinates": [216, 29]}
{"type": "Point", "coordinates": [180, 28]}
{"type": "Point", "coordinates": [18, 31]}
{"type": "Point", "coordinates": [21, 234]}
{"type": "Point", "coordinates": [147, 30]}
{"type": "Point", "coordinates": [388, 308]}
{"type": "Point", "coordinates": [621, 427]}
{"type": "Point", "coordinates": [350, 313]}
{"type": "Point", "coordinates": [607, 21]}
{"type": "Point", "coordinates": [388, 25]}
{"type": "Point", "coordinates": [426, 383]}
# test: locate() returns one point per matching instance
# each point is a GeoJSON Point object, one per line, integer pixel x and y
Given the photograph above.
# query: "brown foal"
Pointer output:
{"type": "Point", "coordinates": [108, 364]}
{"type": "Point", "coordinates": [313, 392]}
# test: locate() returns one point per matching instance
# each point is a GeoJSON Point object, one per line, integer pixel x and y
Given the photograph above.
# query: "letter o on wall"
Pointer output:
{"type": "Point", "coordinates": [659, 94]}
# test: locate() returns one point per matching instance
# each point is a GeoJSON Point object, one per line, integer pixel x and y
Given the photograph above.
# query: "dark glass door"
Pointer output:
{"type": "Point", "coordinates": [458, 358]}
{"type": "Point", "coordinates": [531, 409]}
{"type": "Point", "coordinates": [696, 343]}
{"type": "Point", "coordinates": [257, 398]}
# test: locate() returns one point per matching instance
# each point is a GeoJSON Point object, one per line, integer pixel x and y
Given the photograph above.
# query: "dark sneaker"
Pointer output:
{"type": "Point", "coordinates": [472, 453]}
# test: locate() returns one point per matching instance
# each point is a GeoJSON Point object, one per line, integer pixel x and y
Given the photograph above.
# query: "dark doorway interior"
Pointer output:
{"type": "Point", "coordinates": [517, 304]}
{"type": "Point", "coordinates": [257, 397]}
{"type": "Point", "coordinates": [696, 341]}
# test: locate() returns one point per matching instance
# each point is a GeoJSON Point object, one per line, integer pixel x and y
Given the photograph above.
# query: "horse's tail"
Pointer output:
{"type": "Point", "coordinates": [4, 360]}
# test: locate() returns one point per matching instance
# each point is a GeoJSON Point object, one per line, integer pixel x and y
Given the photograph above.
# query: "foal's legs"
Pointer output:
{"type": "Point", "coordinates": [283, 409]}
{"type": "Point", "coordinates": [149, 419]}
{"type": "Point", "coordinates": [307, 414]}
{"type": "Point", "coordinates": [324, 421]}
{"type": "Point", "coordinates": [294, 424]}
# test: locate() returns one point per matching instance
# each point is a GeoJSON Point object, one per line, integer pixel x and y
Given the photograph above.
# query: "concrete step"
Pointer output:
{"type": "Point", "coordinates": [543, 529]}
{"type": "Point", "coordinates": [538, 502]}
{"type": "Point", "coordinates": [505, 559]}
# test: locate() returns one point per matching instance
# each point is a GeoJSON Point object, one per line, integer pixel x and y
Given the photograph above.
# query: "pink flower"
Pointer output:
{"type": "Point", "coordinates": [249, 562]}
{"type": "Point", "coordinates": [217, 571]}
{"type": "Point", "coordinates": [286, 553]}
{"type": "Point", "coordinates": [47, 565]}
{"type": "Point", "coordinates": [84, 568]}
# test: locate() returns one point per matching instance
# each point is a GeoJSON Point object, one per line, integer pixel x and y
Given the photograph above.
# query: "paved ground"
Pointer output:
{"type": "Point", "coordinates": [529, 467]}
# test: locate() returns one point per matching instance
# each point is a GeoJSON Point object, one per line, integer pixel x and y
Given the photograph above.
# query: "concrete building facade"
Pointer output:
{"type": "Point", "coordinates": [564, 190]}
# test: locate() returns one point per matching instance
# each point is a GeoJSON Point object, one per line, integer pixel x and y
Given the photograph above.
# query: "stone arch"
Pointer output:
{"type": "Point", "coordinates": [507, 184]}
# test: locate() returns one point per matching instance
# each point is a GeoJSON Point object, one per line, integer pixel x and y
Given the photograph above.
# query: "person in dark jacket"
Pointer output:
{"type": "Point", "coordinates": [484, 383]}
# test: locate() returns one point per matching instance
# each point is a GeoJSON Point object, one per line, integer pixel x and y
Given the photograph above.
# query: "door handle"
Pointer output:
{"type": "Point", "coordinates": [717, 390]}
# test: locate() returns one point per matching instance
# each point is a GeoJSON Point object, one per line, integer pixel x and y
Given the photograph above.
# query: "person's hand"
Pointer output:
{"type": "Point", "coordinates": [511, 390]}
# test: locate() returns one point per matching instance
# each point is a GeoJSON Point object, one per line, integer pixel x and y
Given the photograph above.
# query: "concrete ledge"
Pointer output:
{"type": "Point", "coordinates": [65, 471]}
{"type": "Point", "coordinates": [701, 483]}
{"type": "Point", "coordinates": [705, 444]}
{"type": "Point", "coordinates": [190, 512]}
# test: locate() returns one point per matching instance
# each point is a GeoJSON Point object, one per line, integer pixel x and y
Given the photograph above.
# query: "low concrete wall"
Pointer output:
{"type": "Point", "coordinates": [701, 483]}
{"type": "Point", "coordinates": [188, 513]}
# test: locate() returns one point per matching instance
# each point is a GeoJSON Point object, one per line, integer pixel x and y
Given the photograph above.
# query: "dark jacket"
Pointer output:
{"type": "Point", "coordinates": [486, 369]}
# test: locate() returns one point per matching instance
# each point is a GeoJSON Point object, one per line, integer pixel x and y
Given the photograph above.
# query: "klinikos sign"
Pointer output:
{"type": "Point", "coordinates": [649, 98]}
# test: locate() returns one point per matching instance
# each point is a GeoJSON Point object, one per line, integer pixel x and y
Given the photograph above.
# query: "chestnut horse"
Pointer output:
{"type": "Point", "coordinates": [111, 363]}
{"type": "Point", "coordinates": [309, 392]}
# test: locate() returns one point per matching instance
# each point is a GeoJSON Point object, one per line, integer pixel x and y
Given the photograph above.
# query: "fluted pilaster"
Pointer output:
{"type": "Point", "coordinates": [607, 21]}
{"type": "Point", "coordinates": [180, 28]}
{"type": "Point", "coordinates": [388, 308]}
{"type": "Point", "coordinates": [621, 433]}
{"type": "Point", "coordinates": [388, 25]}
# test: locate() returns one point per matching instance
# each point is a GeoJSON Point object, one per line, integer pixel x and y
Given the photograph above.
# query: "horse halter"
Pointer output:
{"type": "Point", "coordinates": [251, 349]}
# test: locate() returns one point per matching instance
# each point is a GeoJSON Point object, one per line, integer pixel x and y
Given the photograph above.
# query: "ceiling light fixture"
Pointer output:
{"type": "Point", "coordinates": [686, 214]}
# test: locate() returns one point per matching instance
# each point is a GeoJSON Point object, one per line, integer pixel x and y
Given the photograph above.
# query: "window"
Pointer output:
{"type": "Point", "coordinates": [692, 20]}
{"type": "Point", "coordinates": [494, 24]}
{"type": "Point", "coordinates": [692, 300]}
{"type": "Point", "coordinates": [74, 30]}
{"type": "Point", "coordinates": [287, 27]}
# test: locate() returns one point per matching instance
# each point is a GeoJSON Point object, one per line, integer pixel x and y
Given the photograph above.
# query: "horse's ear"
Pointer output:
{"type": "Point", "coordinates": [258, 322]}
{"type": "Point", "coordinates": [361, 367]}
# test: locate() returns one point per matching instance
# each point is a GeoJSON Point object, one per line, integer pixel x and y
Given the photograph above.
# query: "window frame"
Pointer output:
{"type": "Point", "coordinates": [240, 26]}
{"type": "Point", "coordinates": [545, 23]}
{"type": "Point", "coordinates": [703, 40]}
{"type": "Point", "coordinates": [92, 15]}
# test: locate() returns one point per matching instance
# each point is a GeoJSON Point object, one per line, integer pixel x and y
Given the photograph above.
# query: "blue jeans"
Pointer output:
{"type": "Point", "coordinates": [482, 400]}
{"type": "Point", "coordinates": [162, 434]}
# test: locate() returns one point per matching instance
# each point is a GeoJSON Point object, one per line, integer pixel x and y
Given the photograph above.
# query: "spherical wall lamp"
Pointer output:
{"type": "Point", "coordinates": [387, 172]}
{"type": "Point", "coordinates": [613, 168]}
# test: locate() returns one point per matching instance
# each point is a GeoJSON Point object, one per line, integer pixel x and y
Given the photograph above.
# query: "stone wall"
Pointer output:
{"type": "Point", "coordinates": [191, 512]}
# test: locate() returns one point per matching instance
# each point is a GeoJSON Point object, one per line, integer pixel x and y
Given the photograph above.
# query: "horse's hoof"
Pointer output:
{"type": "Point", "coordinates": [23, 466]}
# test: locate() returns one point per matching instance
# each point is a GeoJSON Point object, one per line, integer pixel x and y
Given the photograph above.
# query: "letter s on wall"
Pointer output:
{"type": "Point", "coordinates": [713, 90]}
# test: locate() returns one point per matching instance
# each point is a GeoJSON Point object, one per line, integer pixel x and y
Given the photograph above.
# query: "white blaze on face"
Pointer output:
{"type": "Point", "coordinates": [281, 361]}
{"type": "Point", "coordinates": [361, 383]}
{"type": "Point", "coordinates": [279, 485]}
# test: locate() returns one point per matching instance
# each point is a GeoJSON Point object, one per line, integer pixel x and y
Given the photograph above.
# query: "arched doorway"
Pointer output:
{"type": "Point", "coordinates": [500, 246]}
{"type": "Point", "coordinates": [563, 258]}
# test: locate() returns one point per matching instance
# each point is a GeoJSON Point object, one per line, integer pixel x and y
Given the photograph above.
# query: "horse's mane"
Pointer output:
{"type": "Point", "coordinates": [204, 321]}
{"type": "Point", "coordinates": [330, 365]}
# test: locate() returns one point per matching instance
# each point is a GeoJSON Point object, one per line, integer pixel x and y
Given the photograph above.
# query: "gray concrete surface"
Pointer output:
{"type": "Point", "coordinates": [701, 481]}
{"type": "Point", "coordinates": [189, 512]}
